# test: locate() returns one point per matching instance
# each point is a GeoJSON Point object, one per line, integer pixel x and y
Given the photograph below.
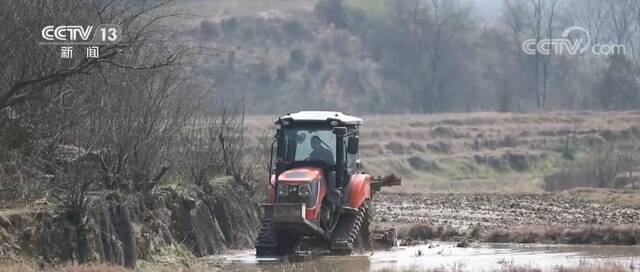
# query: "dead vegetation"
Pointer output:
{"type": "Point", "coordinates": [588, 234]}
{"type": "Point", "coordinates": [194, 267]}
{"type": "Point", "coordinates": [608, 166]}
{"type": "Point", "coordinates": [521, 268]}
{"type": "Point", "coordinates": [425, 231]}
{"type": "Point", "coordinates": [597, 268]}
{"type": "Point", "coordinates": [623, 198]}
{"type": "Point", "coordinates": [66, 268]}
{"type": "Point", "coordinates": [495, 152]}
{"type": "Point", "coordinates": [101, 156]}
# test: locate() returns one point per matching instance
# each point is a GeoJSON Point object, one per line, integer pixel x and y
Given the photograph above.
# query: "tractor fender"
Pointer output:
{"type": "Point", "coordinates": [360, 189]}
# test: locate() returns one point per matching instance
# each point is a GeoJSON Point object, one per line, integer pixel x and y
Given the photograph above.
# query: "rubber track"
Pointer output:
{"type": "Point", "coordinates": [266, 242]}
{"type": "Point", "coordinates": [347, 232]}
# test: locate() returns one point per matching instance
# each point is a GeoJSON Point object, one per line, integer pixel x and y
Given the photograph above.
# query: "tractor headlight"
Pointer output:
{"type": "Point", "coordinates": [304, 190]}
{"type": "Point", "coordinates": [283, 190]}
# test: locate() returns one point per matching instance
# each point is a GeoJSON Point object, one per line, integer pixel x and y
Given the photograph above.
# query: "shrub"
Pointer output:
{"type": "Point", "coordinates": [599, 168]}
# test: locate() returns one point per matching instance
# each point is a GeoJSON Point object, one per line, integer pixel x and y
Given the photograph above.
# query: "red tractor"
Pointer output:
{"type": "Point", "coordinates": [318, 196]}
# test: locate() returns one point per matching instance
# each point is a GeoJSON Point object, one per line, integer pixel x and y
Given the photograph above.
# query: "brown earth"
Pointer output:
{"type": "Point", "coordinates": [552, 218]}
{"type": "Point", "coordinates": [465, 211]}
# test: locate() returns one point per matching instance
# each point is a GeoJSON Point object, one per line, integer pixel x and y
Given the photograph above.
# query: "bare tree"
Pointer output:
{"type": "Point", "coordinates": [215, 144]}
{"type": "Point", "coordinates": [518, 19]}
{"type": "Point", "coordinates": [137, 119]}
{"type": "Point", "coordinates": [33, 69]}
{"type": "Point", "coordinates": [431, 28]}
{"type": "Point", "coordinates": [534, 18]}
{"type": "Point", "coordinates": [547, 60]}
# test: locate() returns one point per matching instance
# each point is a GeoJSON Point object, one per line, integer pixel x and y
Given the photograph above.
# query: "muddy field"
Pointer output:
{"type": "Point", "coordinates": [465, 211]}
{"type": "Point", "coordinates": [533, 224]}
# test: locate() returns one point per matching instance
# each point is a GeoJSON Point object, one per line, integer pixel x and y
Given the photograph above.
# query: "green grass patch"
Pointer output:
{"type": "Point", "coordinates": [461, 169]}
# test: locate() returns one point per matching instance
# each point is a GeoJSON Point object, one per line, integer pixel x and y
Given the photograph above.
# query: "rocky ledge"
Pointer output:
{"type": "Point", "coordinates": [122, 229]}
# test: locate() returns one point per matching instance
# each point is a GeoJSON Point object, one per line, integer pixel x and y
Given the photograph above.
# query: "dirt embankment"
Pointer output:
{"type": "Point", "coordinates": [123, 230]}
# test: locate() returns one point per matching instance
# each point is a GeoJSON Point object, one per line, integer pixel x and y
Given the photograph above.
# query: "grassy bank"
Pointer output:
{"type": "Point", "coordinates": [483, 152]}
{"type": "Point", "coordinates": [590, 234]}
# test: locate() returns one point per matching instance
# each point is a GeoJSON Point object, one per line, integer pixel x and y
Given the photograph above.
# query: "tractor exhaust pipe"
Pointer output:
{"type": "Point", "coordinates": [340, 132]}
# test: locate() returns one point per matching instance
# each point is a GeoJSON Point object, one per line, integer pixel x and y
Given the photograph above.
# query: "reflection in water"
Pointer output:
{"type": "Point", "coordinates": [481, 257]}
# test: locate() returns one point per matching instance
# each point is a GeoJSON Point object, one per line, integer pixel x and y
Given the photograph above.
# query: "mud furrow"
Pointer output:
{"type": "Point", "coordinates": [499, 210]}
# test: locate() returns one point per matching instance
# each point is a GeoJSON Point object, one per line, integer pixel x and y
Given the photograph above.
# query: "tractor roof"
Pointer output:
{"type": "Point", "coordinates": [322, 116]}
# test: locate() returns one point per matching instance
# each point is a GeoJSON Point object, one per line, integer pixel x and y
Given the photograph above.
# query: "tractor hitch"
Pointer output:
{"type": "Point", "coordinates": [387, 181]}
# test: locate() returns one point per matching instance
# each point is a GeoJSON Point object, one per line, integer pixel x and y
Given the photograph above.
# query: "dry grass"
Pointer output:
{"type": "Point", "coordinates": [599, 268]}
{"type": "Point", "coordinates": [516, 268]}
{"type": "Point", "coordinates": [288, 267]}
{"type": "Point", "coordinates": [157, 267]}
{"type": "Point", "coordinates": [596, 234]}
{"type": "Point", "coordinates": [608, 268]}
{"type": "Point", "coordinates": [627, 198]}
{"type": "Point", "coordinates": [454, 141]}
{"type": "Point", "coordinates": [613, 235]}
{"type": "Point", "coordinates": [429, 232]}
{"type": "Point", "coordinates": [66, 268]}
{"type": "Point", "coordinates": [108, 268]}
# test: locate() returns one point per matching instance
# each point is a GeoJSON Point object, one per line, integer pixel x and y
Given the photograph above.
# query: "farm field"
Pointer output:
{"type": "Point", "coordinates": [481, 152]}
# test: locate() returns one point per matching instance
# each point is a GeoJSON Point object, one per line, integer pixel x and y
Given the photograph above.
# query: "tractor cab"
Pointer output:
{"type": "Point", "coordinates": [319, 139]}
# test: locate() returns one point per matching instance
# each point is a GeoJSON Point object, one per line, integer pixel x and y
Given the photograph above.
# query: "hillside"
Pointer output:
{"type": "Point", "coordinates": [374, 57]}
{"type": "Point", "coordinates": [284, 58]}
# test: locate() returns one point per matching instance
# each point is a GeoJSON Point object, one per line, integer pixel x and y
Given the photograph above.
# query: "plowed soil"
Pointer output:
{"type": "Point", "coordinates": [500, 210]}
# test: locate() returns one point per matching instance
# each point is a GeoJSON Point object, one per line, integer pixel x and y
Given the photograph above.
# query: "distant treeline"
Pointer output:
{"type": "Point", "coordinates": [420, 56]}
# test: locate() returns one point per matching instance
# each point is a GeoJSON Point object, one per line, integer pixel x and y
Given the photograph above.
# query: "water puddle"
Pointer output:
{"type": "Point", "coordinates": [445, 256]}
